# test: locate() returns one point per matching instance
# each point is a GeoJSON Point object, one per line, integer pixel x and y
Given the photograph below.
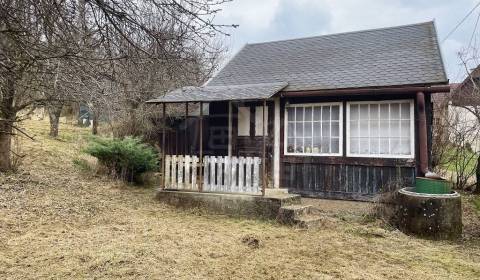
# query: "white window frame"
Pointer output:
{"type": "Point", "coordinates": [412, 129]}
{"type": "Point", "coordinates": [340, 127]}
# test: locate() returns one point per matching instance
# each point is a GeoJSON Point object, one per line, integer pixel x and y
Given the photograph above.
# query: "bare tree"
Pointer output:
{"type": "Point", "coordinates": [85, 33]}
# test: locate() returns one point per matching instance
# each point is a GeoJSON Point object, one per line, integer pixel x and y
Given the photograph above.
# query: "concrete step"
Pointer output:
{"type": "Point", "coordinates": [269, 191]}
{"type": "Point", "coordinates": [303, 216]}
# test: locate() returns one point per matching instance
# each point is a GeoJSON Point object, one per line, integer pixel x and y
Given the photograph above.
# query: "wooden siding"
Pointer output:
{"type": "Point", "coordinates": [344, 181]}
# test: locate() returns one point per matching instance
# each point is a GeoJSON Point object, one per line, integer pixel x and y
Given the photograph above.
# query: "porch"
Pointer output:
{"type": "Point", "coordinates": [224, 140]}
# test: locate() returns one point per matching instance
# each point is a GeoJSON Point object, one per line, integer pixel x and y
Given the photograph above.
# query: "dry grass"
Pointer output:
{"type": "Point", "coordinates": [59, 222]}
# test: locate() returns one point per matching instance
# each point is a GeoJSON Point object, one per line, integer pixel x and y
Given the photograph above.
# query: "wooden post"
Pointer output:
{"type": "Point", "coordinates": [186, 136]}
{"type": "Point", "coordinates": [163, 145]}
{"type": "Point", "coordinates": [201, 147]}
{"type": "Point", "coordinates": [264, 165]}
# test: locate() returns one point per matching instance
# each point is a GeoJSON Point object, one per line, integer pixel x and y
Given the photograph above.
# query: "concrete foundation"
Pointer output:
{"type": "Point", "coordinates": [263, 207]}
{"type": "Point", "coordinates": [437, 216]}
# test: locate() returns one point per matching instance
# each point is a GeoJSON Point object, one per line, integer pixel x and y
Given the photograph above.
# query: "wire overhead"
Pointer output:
{"type": "Point", "coordinates": [461, 22]}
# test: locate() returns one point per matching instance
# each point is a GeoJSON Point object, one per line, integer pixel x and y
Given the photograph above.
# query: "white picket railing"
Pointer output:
{"type": "Point", "coordinates": [231, 174]}
{"type": "Point", "coordinates": [220, 174]}
{"type": "Point", "coordinates": [181, 172]}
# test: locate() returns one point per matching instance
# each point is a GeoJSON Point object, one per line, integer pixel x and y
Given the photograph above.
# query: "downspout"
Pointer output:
{"type": "Point", "coordinates": [422, 134]}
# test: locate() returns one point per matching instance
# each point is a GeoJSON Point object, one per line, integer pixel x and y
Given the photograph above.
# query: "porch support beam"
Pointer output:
{"type": "Point", "coordinates": [186, 127]}
{"type": "Point", "coordinates": [200, 184]}
{"type": "Point", "coordinates": [264, 162]}
{"type": "Point", "coordinates": [422, 134]}
{"type": "Point", "coordinates": [163, 145]}
{"type": "Point", "coordinates": [276, 144]}
{"type": "Point", "coordinates": [230, 128]}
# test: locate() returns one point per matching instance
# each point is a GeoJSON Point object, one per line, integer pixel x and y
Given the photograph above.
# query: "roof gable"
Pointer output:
{"type": "Point", "coordinates": [403, 55]}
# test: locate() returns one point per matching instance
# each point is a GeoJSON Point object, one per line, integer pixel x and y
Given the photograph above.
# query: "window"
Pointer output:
{"type": "Point", "coordinates": [243, 121]}
{"type": "Point", "coordinates": [380, 129]}
{"type": "Point", "coordinates": [259, 121]}
{"type": "Point", "coordinates": [313, 129]}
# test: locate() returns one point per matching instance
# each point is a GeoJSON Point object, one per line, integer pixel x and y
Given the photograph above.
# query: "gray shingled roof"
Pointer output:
{"type": "Point", "coordinates": [403, 55]}
{"type": "Point", "coordinates": [221, 93]}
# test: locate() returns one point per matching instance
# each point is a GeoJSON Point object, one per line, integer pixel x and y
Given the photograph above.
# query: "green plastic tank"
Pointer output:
{"type": "Point", "coordinates": [432, 186]}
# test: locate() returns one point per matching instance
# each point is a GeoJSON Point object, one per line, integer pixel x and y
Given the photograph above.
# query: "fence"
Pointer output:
{"type": "Point", "coordinates": [220, 174]}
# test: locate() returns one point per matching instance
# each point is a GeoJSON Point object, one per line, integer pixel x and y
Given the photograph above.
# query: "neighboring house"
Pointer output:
{"type": "Point", "coordinates": [458, 105]}
{"type": "Point", "coordinates": [346, 115]}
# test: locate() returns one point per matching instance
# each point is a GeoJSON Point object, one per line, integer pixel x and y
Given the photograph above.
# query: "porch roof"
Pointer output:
{"type": "Point", "coordinates": [221, 93]}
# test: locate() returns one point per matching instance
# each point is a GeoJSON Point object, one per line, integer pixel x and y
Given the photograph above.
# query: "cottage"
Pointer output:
{"type": "Point", "coordinates": [337, 116]}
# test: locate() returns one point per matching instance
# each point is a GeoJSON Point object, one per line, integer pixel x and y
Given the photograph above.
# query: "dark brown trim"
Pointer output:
{"type": "Point", "coordinates": [366, 91]}
{"type": "Point", "coordinates": [393, 162]}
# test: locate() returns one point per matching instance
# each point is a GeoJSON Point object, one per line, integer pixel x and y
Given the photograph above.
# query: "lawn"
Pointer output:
{"type": "Point", "coordinates": [57, 221]}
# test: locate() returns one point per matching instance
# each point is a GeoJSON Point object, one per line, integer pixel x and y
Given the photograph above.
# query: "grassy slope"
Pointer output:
{"type": "Point", "coordinates": [56, 222]}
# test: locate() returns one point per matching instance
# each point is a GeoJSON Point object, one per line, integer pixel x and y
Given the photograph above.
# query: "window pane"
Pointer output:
{"type": "Point", "coordinates": [317, 129]}
{"type": "Point", "coordinates": [354, 129]}
{"type": "Point", "coordinates": [374, 146]}
{"type": "Point", "coordinates": [405, 111]}
{"type": "Point", "coordinates": [326, 113]}
{"type": "Point", "coordinates": [325, 129]}
{"type": "Point", "coordinates": [374, 111]}
{"type": "Point", "coordinates": [363, 128]}
{"type": "Point", "coordinates": [384, 112]}
{"type": "Point", "coordinates": [299, 115]}
{"type": "Point", "coordinates": [384, 146]}
{"type": "Point", "coordinates": [354, 145]}
{"type": "Point", "coordinates": [354, 112]}
{"type": "Point", "coordinates": [335, 129]}
{"type": "Point", "coordinates": [317, 113]}
{"type": "Point", "coordinates": [299, 129]}
{"type": "Point", "coordinates": [364, 111]}
{"type": "Point", "coordinates": [325, 145]}
{"type": "Point", "coordinates": [307, 129]}
{"type": "Point", "coordinates": [405, 131]}
{"type": "Point", "coordinates": [243, 121]}
{"type": "Point", "coordinates": [335, 113]}
{"type": "Point", "coordinates": [394, 128]}
{"type": "Point", "coordinates": [395, 146]}
{"type": "Point", "coordinates": [335, 145]}
{"type": "Point", "coordinates": [308, 113]}
{"type": "Point", "coordinates": [291, 114]}
{"type": "Point", "coordinates": [316, 145]}
{"type": "Point", "coordinates": [290, 145]}
{"type": "Point", "coordinates": [291, 129]}
{"type": "Point", "coordinates": [384, 128]}
{"type": "Point", "coordinates": [374, 132]}
{"type": "Point", "coordinates": [395, 111]}
{"type": "Point", "coordinates": [364, 146]}
{"type": "Point", "coordinates": [405, 146]}
{"type": "Point", "coordinates": [259, 121]}
{"type": "Point", "coordinates": [308, 145]}
{"type": "Point", "coordinates": [299, 147]}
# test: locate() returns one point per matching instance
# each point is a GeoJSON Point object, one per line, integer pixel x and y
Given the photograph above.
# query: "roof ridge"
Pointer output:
{"type": "Point", "coordinates": [341, 33]}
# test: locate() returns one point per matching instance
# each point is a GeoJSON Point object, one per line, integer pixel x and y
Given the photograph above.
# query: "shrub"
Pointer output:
{"type": "Point", "coordinates": [125, 158]}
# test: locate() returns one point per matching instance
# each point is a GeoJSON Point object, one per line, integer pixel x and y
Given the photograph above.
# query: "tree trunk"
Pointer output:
{"type": "Point", "coordinates": [94, 123]}
{"type": "Point", "coordinates": [477, 187]}
{"type": "Point", "coordinates": [7, 117]}
{"type": "Point", "coordinates": [54, 112]}
{"type": "Point", "coordinates": [5, 146]}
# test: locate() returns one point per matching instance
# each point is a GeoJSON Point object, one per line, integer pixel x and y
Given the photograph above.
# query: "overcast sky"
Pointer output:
{"type": "Point", "coordinates": [267, 20]}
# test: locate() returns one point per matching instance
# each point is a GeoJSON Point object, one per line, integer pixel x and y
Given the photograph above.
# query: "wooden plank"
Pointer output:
{"type": "Point", "coordinates": [332, 160]}
{"type": "Point", "coordinates": [206, 169]}
{"type": "Point", "coordinates": [174, 172]}
{"type": "Point", "coordinates": [213, 184]}
{"type": "Point", "coordinates": [256, 174]}
{"type": "Point", "coordinates": [241, 174]}
{"type": "Point", "coordinates": [188, 183]}
{"type": "Point", "coordinates": [248, 174]}
{"type": "Point", "coordinates": [193, 179]}
{"type": "Point", "coordinates": [220, 185]}
{"type": "Point", "coordinates": [167, 167]}
{"type": "Point", "coordinates": [227, 173]}
{"type": "Point", "coordinates": [234, 175]}
{"type": "Point", "coordinates": [181, 163]}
